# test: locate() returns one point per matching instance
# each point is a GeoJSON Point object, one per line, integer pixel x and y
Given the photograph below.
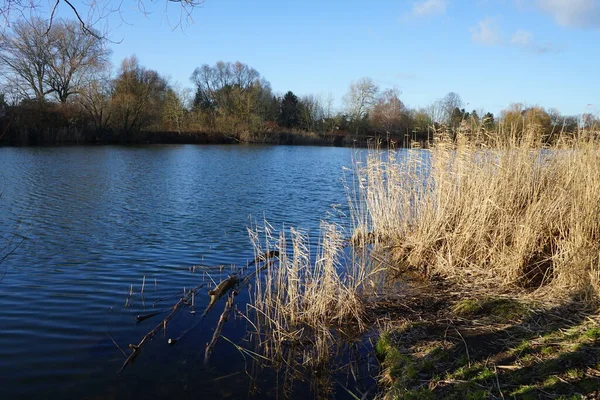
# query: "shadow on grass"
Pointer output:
{"type": "Point", "coordinates": [495, 348]}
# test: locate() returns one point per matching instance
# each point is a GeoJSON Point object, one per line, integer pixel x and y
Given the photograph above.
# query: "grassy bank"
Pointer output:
{"type": "Point", "coordinates": [493, 347]}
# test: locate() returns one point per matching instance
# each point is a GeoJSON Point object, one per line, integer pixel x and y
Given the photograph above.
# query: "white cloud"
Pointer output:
{"type": "Point", "coordinates": [427, 7]}
{"type": "Point", "coordinates": [486, 32]}
{"type": "Point", "coordinates": [521, 38]}
{"type": "Point", "coordinates": [573, 13]}
{"type": "Point", "coordinates": [524, 40]}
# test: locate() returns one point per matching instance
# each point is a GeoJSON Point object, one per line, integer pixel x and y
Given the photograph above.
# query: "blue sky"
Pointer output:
{"type": "Point", "coordinates": [491, 52]}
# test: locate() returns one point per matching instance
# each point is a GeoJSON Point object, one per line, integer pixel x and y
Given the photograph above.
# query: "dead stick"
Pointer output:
{"type": "Point", "coordinates": [215, 294]}
{"type": "Point", "coordinates": [219, 328]}
{"type": "Point", "coordinates": [143, 317]}
{"type": "Point", "coordinates": [136, 348]}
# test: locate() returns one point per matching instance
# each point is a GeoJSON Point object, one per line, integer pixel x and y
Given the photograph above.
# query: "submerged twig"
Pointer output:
{"type": "Point", "coordinates": [215, 294]}
{"type": "Point", "coordinates": [219, 328]}
{"type": "Point", "coordinates": [143, 317]}
{"type": "Point", "coordinates": [136, 348]}
{"type": "Point", "coordinates": [116, 344]}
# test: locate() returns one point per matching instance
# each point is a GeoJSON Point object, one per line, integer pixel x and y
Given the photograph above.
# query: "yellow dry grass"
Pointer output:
{"type": "Point", "coordinates": [300, 298]}
{"type": "Point", "coordinates": [504, 212]}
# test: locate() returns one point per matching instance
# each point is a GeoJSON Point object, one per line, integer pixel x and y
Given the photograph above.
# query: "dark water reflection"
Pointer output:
{"type": "Point", "coordinates": [99, 219]}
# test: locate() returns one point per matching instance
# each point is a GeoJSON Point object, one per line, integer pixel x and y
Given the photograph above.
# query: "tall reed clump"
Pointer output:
{"type": "Point", "coordinates": [507, 212]}
{"type": "Point", "coordinates": [299, 300]}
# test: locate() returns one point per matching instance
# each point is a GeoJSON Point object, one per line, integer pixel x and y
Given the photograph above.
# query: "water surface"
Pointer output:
{"type": "Point", "coordinates": [97, 221]}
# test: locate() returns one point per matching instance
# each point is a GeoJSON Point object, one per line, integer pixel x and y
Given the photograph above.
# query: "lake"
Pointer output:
{"type": "Point", "coordinates": [100, 222]}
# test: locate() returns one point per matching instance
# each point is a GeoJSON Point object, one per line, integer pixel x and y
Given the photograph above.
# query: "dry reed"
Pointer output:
{"type": "Point", "coordinates": [308, 292]}
{"type": "Point", "coordinates": [501, 211]}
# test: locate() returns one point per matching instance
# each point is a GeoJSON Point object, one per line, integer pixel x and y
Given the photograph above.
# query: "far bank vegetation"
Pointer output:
{"type": "Point", "coordinates": [58, 86]}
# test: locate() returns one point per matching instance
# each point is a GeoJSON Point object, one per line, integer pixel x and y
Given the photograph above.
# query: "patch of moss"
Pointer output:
{"type": "Point", "coordinates": [592, 333]}
{"type": "Point", "coordinates": [526, 392]}
{"type": "Point", "coordinates": [550, 381]}
{"type": "Point", "coordinates": [466, 308]}
{"type": "Point", "coordinates": [478, 395]}
{"type": "Point", "coordinates": [547, 350]}
{"type": "Point", "coordinates": [543, 355]}
{"type": "Point", "coordinates": [496, 309]}
{"type": "Point", "coordinates": [574, 373]}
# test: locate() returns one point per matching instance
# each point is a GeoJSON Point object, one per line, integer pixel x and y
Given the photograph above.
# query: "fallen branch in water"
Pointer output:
{"type": "Point", "coordinates": [230, 285]}
{"type": "Point", "coordinates": [143, 317]}
{"type": "Point", "coordinates": [163, 324]}
{"type": "Point", "coordinates": [219, 328]}
{"type": "Point", "coordinates": [215, 294]}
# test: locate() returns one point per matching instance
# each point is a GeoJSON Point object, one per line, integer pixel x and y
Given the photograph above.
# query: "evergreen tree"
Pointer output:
{"type": "Point", "coordinates": [289, 111]}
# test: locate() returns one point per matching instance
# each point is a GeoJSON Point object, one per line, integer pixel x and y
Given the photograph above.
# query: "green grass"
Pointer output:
{"type": "Point", "coordinates": [539, 355]}
{"type": "Point", "coordinates": [495, 309]}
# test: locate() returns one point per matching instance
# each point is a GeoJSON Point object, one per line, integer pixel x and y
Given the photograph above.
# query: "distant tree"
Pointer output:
{"type": "Point", "coordinates": [449, 104]}
{"type": "Point", "coordinates": [389, 113]}
{"type": "Point", "coordinates": [95, 98]}
{"type": "Point", "coordinates": [435, 111]}
{"type": "Point", "coordinates": [420, 120]}
{"type": "Point", "coordinates": [60, 59]}
{"type": "Point", "coordinates": [571, 124]}
{"type": "Point", "coordinates": [312, 112]}
{"type": "Point", "coordinates": [138, 96]}
{"type": "Point", "coordinates": [176, 107]}
{"type": "Point", "coordinates": [289, 115]}
{"type": "Point", "coordinates": [75, 58]}
{"type": "Point", "coordinates": [24, 58]}
{"type": "Point", "coordinates": [267, 104]}
{"type": "Point", "coordinates": [456, 117]}
{"type": "Point", "coordinates": [359, 100]}
{"type": "Point", "coordinates": [233, 97]}
{"type": "Point", "coordinates": [518, 119]}
{"type": "Point", "coordinates": [590, 121]}
{"type": "Point", "coordinates": [215, 86]}
{"type": "Point", "coordinates": [488, 121]}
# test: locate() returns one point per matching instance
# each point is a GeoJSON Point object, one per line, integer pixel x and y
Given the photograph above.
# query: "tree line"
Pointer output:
{"type": "Point", "coordinates": [57, 85]}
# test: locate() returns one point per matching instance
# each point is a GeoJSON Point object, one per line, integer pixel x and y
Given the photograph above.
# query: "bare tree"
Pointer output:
{"type": "Point", "coordinates": [40, 60]}
{"type": "Point", "coordinates": [138, 96]}
{"type": "Point", "coordinates": [177, 101]}
{"type": "Point", "coordinates": [216, 86]}
{"type": "Point", "coordinates": [74, 58]}
{"type": "Point", "coordinates": [389, 112]}
{"type": "Point", "coordinates": [95, 97]}
{"type": "Point", "coordinates": [449, 103]}
{"type": "Point", "coordinates": [435, 111]}
{"type": "Point", "coordinates": [360, 98]}
{"type": "Point", "coordinates": [24, 58]}
{"type": "Point", "coordinates": [311, 112]}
